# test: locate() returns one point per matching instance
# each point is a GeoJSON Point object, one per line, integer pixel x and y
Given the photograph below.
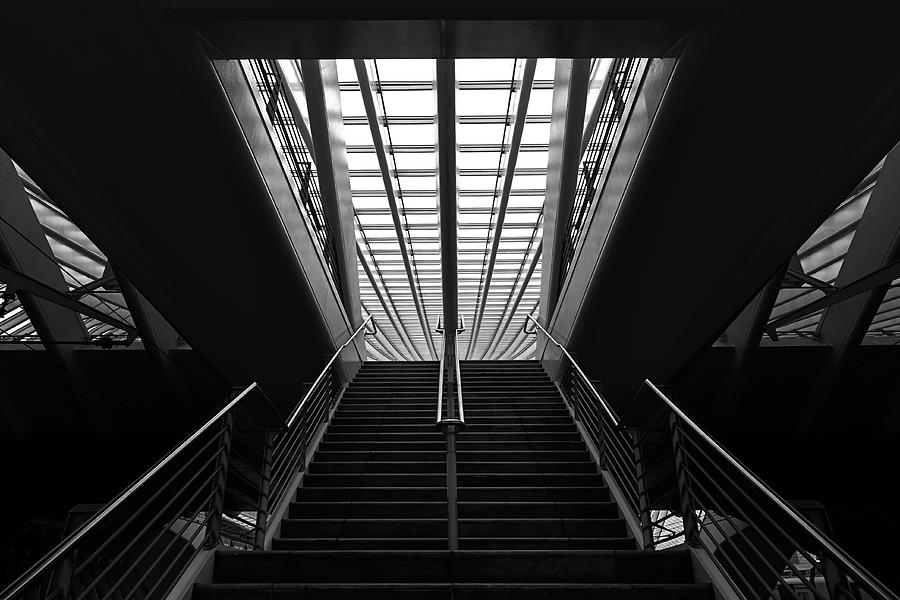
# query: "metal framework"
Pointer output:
{"type": "Point", "coordinates": [86, 272]}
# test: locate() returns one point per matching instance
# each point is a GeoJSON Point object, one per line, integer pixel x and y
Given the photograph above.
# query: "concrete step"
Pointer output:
{"type": "Point", "coordinates": [457, 591]}
{"type": "Point", "coordinates": [442, 566]}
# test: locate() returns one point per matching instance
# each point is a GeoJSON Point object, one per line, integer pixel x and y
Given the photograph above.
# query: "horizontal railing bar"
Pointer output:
{"type": "Point", "coordinates": [150, 522]}
{"type": "Point", "coordinates": [740, 532]}
{"type": "Point", "coordinates": [203, 504]}
{"type": "Point", "coordinates": [97, 579]}
{"type": "Point", "coordinates": [19, 584]}
{"type": "Point", "coordinates": [791, 539]}
{"type": "Point", "coordinates": [160, 490]}
{"type": "Point", "coordinates": [823, 541]}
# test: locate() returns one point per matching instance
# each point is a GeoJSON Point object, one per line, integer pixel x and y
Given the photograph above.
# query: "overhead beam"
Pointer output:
{"type": "Point", "coordinates": [570, 85]}
{"type": "Point", "coordinates": [466, 29]}
{"type": "Point", "coordinates": [368, 96]}
{"type": "Point", "coordinates": [323, 99]}
{"type": "Point", "coordinates": [514, 145]}
{"type": "Point", "coordinates": [447, 190]}
{"type": "Point", "coordinates": [501, 331]}
{"type": "Point", "coordinates": [871, 260]}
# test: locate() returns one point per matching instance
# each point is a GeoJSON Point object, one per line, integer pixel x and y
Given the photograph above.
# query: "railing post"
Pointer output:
{"type": "Point", "coordinates": [450, 430]}
{"type": "Point", "coordinates": [688, 516]}
{"type": "Point", "coordinates": [262, 510]}
{"type": "Point", "coordinates": [303, 438]}
{"type": "Point", "coordinates": [643, 496]}
{"type": "Point", "coordinates": [217, 505]}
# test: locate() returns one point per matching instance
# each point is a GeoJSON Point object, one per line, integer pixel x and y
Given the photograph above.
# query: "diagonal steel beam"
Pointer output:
{"type": "Point", "coordinates": [498, 334]}
{"type": "Point", "coordinates": [17, 281]}
{"type": "Point", "coordinates": [877, 278]}
{"type": "Point", "coordinates": [401, 331]}
{"type": "Point", "coordinates": [323, 99]}
{"type": "Point", "coordinates": [382, 338]}
{"type": "Point", "coordinates": [570, 85]}
{"type": "Point", "coordinates": [515, 144]}
{"type": "Point", "coordinates": [520, 338]}
{"type": "Point", "coordinates": [367, 92]}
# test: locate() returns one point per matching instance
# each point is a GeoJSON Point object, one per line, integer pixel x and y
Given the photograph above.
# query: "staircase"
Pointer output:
{"type": "Point", "coordinates": [535, 518]}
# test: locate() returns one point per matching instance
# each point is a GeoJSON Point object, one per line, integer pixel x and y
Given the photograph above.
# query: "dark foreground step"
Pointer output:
{"type": "Point", "coordinates": [445, 567]}
{"type": "Point", "coordinates": [493, 591]}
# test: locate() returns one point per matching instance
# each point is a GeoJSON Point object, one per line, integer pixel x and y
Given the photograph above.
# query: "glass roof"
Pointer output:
{"type": "Point", "coordinates": [81, 263]}
{"type": "Point", "coordinates": [486, 97]}
{"type": "Point", "coordinates": [405, 103]}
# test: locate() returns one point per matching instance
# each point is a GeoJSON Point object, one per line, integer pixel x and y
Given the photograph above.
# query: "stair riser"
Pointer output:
{"type": "Point", "coordinates": [439, 567]}
{"type": "Point", "coordinates": [457, 592]}
{"type": "Point", "coordinates": [461, 456]}
{"type": "Point", "coordinates": [439, 445]}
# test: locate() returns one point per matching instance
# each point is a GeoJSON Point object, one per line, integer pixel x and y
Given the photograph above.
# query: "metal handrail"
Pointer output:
{"type": "Point", "coordinates": [590, 387]}
{"type": "Point", "coordinates": [846, 561]}
{"type": "Point", "coordinates": [459, 395]}
{"type": "Point", "coordinates": [747, 479]}
{"type": "Point", "coordinates": [67, 544]}
{"type": "Point", "coordinates": [321, 376]}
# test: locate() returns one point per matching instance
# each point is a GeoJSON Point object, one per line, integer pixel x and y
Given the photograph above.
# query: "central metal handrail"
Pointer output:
{"type": "Point", "coordinates": [459, 394]}
{"type": "Point", "coordinates": [450, 426]}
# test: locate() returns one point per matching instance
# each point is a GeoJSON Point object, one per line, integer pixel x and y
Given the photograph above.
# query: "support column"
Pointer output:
{"type": "Point", "coordinates": [566, 127]}
{"type": "Point", "coordinates": [323, 98]}
{"type": "Point", "coordinates": [745, 334]}
{"type": "Point", "coordinates": [160, 340]}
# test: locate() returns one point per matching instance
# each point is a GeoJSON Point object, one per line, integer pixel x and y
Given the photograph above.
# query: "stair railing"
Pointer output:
{"type": "Point", "coordinates": [213, 488]}
{"type": "Point", "coordinates": [667, 466]}
{"type": "Point", "coordinates": [451, 423]}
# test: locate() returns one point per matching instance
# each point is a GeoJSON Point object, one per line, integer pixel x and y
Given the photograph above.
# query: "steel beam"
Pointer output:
{"type": "Point", "coordinates": [875, 283]}
{"type": "Point", "coordinates": [874, 250]}
{"type": "Point", "coordinates": [24, 249]}
{"type": "Point", "coordinates": [323, 98]}
{"type": "Point", "coordinates": [501, 331]}
{"type": "Point", "coordinates": [745, 334]}
{"type": "Point", "coordinates": [594, 117]}
{"type": "Point", "coordinates": [19, 282]}
{"type": "Point", "coordinates": [515, 143]}
{"type": "Point", "coordinates": [398, 327]}
{"type": "Point", "coordinates": [384, 341]}
{"type": "Point", "coordinates": [368, 97]}
{"type": "Point", "coordinates": [447, 190]}
{"type": "Point", "coordinates": [160, 340]}
{"type": "Point", "coordinates": [566, 128]}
